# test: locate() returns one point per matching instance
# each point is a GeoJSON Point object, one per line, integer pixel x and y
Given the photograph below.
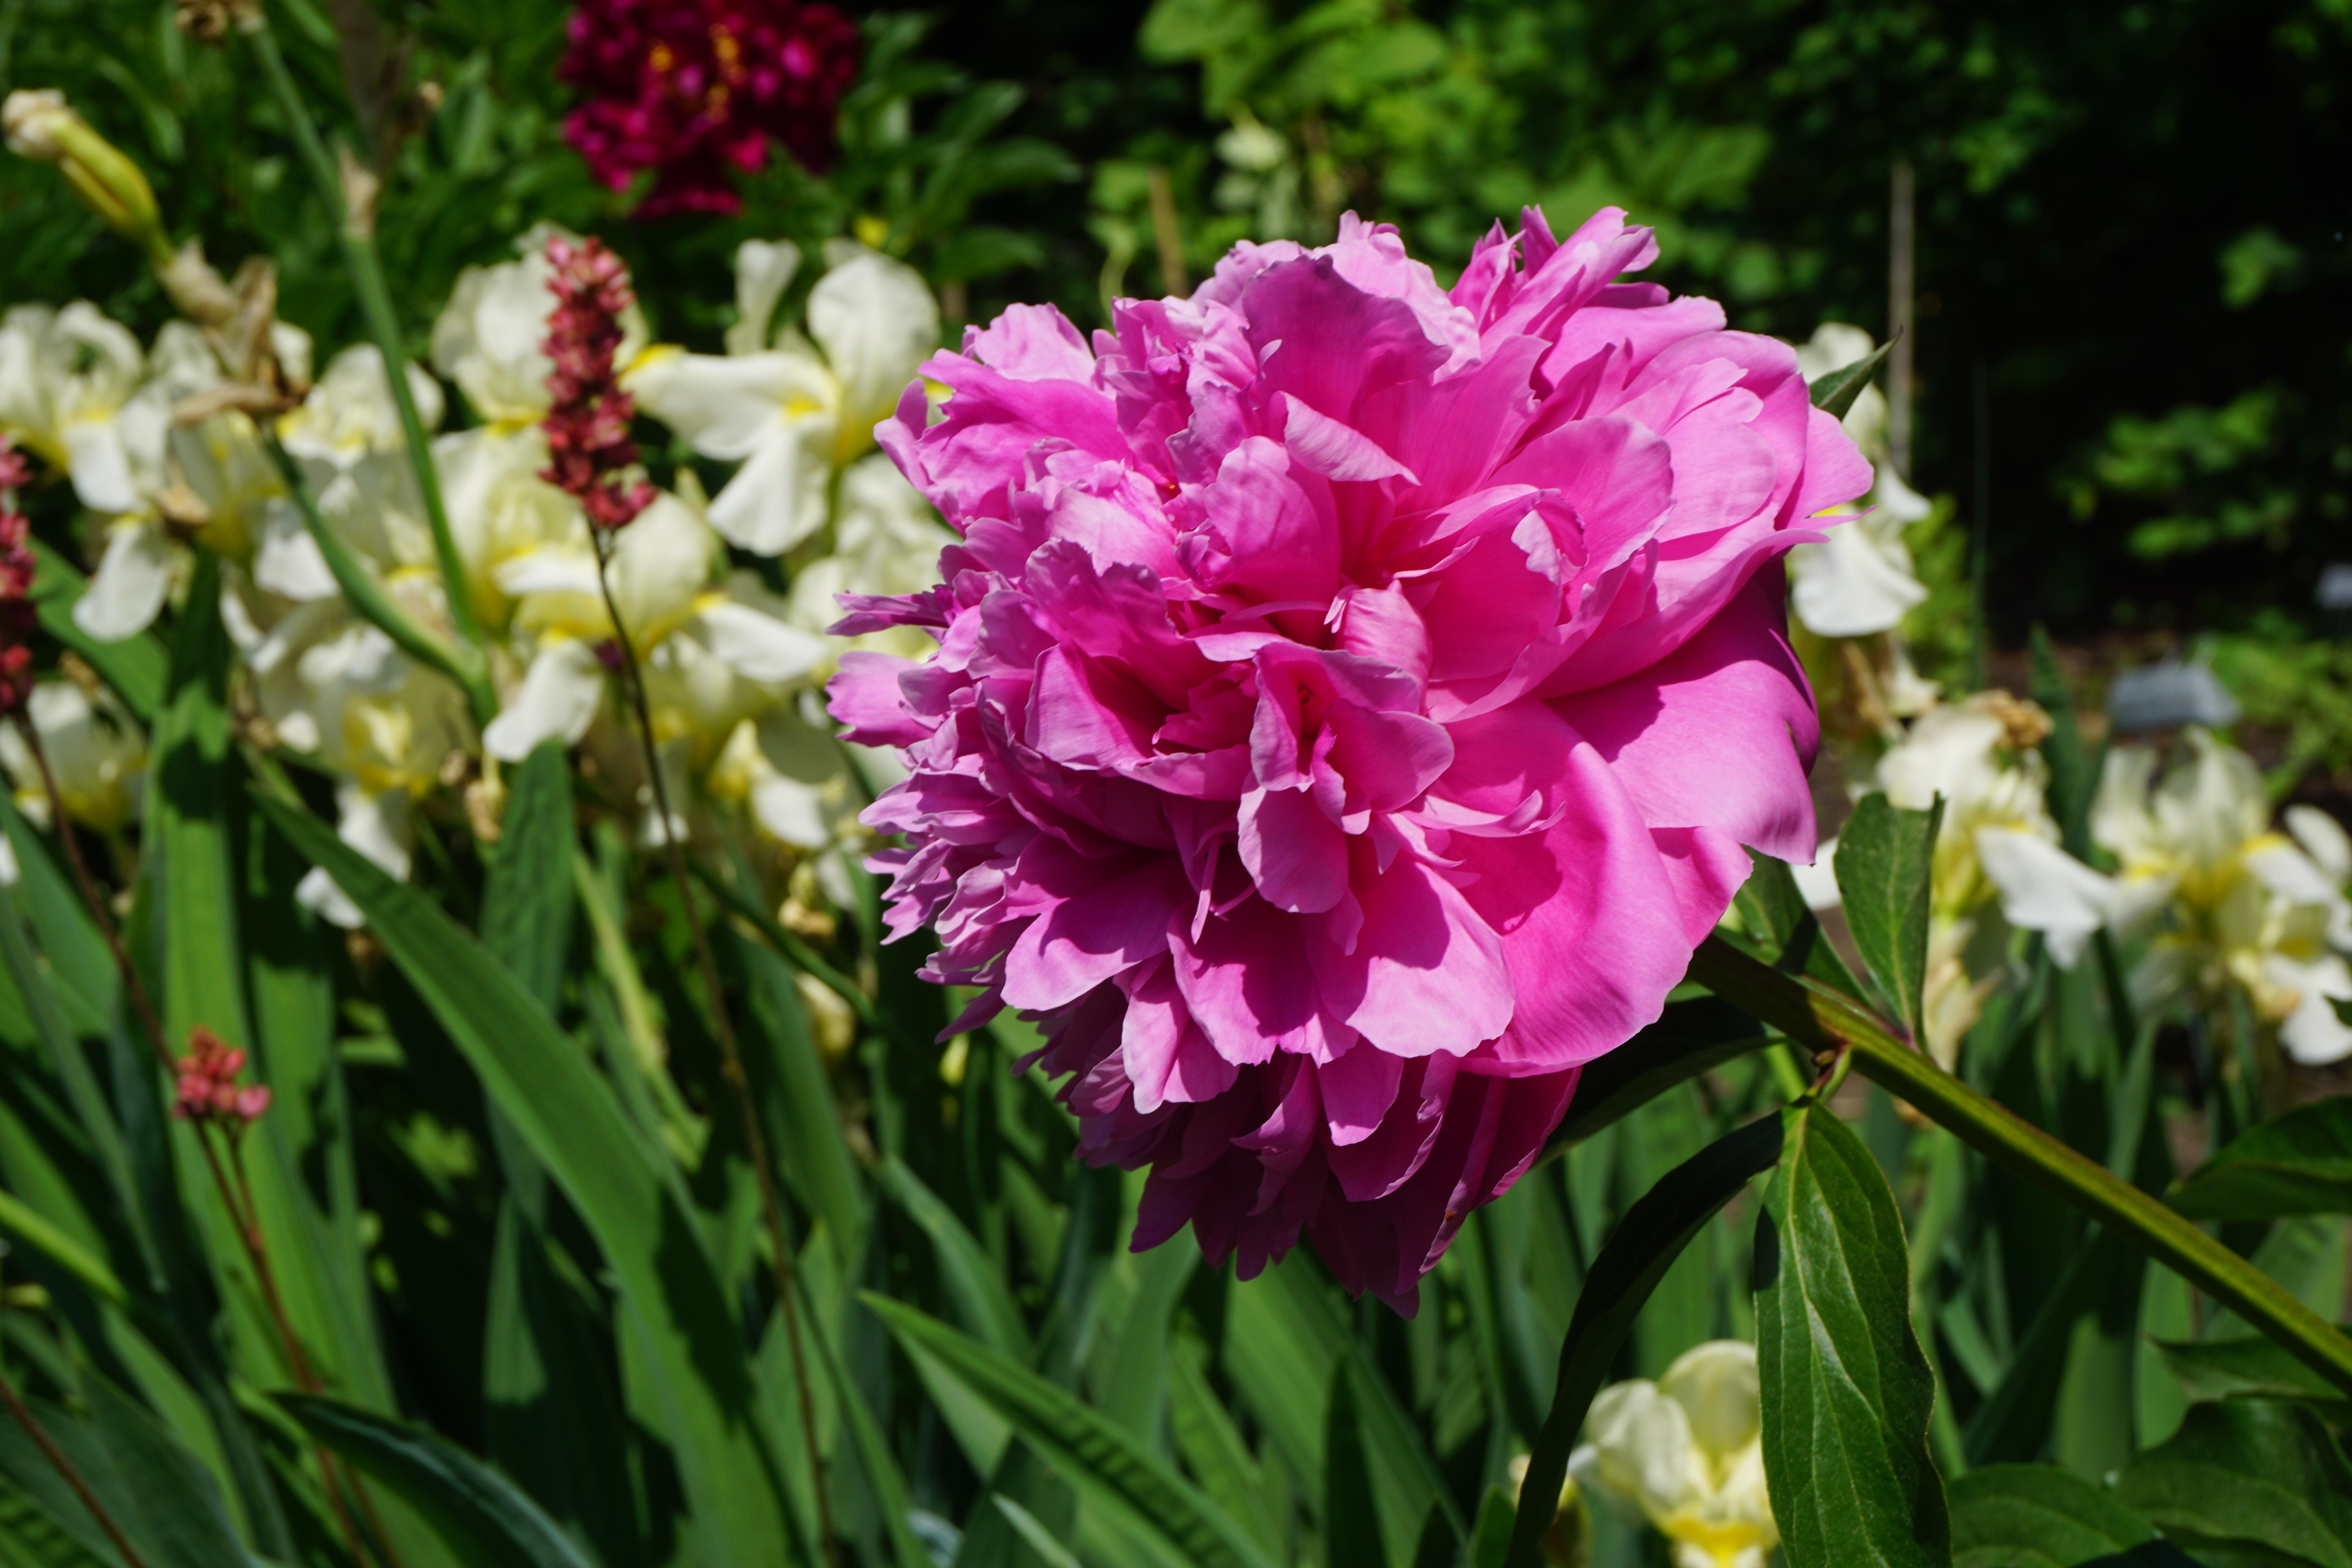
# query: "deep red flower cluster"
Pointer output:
{"type": "Point", "coordinates": [587, 424]}
{"type": "Point", "coordinates": [690, 87]}
{"type": "Point", "coordinates": [18, 616]}
{"type": "Point", "coordinates": [208, 1090]}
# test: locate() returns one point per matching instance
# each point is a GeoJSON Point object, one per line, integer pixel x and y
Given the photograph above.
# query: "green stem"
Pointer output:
{"type": "Point", "coordinates": [1821, 1020]}
{"type": "Point", "coordinates": [356, 231]}
{"type": "Point", "coordinates": [368, 597]}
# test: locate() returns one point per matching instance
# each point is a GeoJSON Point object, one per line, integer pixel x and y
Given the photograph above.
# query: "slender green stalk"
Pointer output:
{"type": "Point", "coordinates": [730, 1056]}
{"type": "Point", "coordinates": [1821, 1020]}
{"type": "Point", "coordinates": [356, 232]}
{"type": "Point", "coordinates": [463, 664]}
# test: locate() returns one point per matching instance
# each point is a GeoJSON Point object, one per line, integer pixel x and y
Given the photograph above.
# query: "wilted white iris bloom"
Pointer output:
{"type": "Point", "coordinates": [1687, 1451]}
{"type": "Point", "coordinates": [1860, 580]}
{"type": "Point", "coordinates": [794, 413]}
{"type": "Point", "coordinates": [96, 750]}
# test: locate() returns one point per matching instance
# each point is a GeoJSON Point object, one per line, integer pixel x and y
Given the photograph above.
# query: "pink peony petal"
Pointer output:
{"type": "Point", "coordinates": [1352, 704]}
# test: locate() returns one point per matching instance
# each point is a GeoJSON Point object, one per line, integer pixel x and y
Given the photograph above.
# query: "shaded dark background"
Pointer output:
{"type": "Point", "coordinates": [2132, 217]}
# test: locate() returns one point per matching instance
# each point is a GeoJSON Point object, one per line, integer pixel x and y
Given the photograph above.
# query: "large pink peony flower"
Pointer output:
{"type": "Point", "coordinates": [1351, 701]}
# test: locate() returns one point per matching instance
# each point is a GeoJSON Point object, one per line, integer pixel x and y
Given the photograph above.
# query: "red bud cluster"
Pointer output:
{"type": "Point", "coordinates": [588, 443]}
{"type": "Point", "coordinates": [18, 615]}
{"type": "Point", "coordinates": [208, 1090]}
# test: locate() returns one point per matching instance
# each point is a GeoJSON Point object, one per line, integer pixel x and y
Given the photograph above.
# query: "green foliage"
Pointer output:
{"type": "Point", "coordinates": [2300, 1163]}
{"type": "Point", "coordinates": [1846, 1389]}
{"type": "Point", "coordinates": [1642, 1250]}
{"type": "Point", "coordinates": [1883, 857]}
{"type": "Point", "coordinates": [2248, 1476]}
{"type": "Point", "coordinates": [2039, 1516]}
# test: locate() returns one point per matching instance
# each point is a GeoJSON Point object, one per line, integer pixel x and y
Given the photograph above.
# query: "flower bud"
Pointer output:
{"type": "Point", "coordinates": [41, 125]}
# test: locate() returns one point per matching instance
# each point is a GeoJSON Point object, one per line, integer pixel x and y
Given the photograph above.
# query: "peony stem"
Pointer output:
{"type": "Point", "coordinates": [731, 1055]}
{"type": "Point", "coordinates": [361, 589]}
{"type": "Point", "coordinates": [1823, 1020]}
{"type": "Point", "coordinates": [355, 229]}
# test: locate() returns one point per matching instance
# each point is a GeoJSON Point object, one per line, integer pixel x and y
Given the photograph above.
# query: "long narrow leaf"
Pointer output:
{"type": "Point", "coordinates": [1644, 1245]}
{"type": "Point", "coordinates": [1090, 1450]}
{"type": "Point", "coordinates": [481, 1515]}
{"type": "Point", "coordinates": [1846, 1389]}
{"type": "Point", "coordinates": [571, 1123]}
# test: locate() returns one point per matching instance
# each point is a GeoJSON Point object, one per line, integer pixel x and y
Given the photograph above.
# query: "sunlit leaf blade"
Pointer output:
{"type": "Point", "coordinates": [1644, 1245]}
{"type": "Point", "coordinates": [2298, 1163]}
{"type": "Point", "coordinates": [1092, 1452]}
{"type": "Point", "coordinates": [2044, 1516]}
{"type": "Point", "coordinates": [1691, 1039]}
{"type": "Point", "coordinates": [2248, 1475]}
{"type": "Point", "coordinates": [1883, 860]}
{"type": "Point", "coordinates": [1846, 1391]}
{"type": "Point", "coordinates": [573, 1125]}
{"type": "Point", "coordinates": [483, 1517]}
{"type": "Point", "coordinates": [189, 828]}
{"type": "Point", "coordinates": [1835, 391]}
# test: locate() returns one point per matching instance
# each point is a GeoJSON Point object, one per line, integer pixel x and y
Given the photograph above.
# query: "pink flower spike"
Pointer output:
{"type": "Point", "coordinates": [587, 423]}
{"type": "Point", "coordinates": [17, 615]}
{"type": "Point", "coordinates": [1355, 702]}
{"type": "Point", "coordinates": [208, 1090]}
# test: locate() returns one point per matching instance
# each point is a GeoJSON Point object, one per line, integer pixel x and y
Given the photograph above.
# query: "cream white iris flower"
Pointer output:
{"type": "Point", "coordinates": [1687, 1452]}
{"type": "Point", "coordinates": [2242, 903]}
{"type": "Point", "coordinates": [713, 653]}
{"type": "Point", "coordinates": [96, 751]}
{"type": "Point", "coordinates": [1996, 840]}
{"type": "Point", "coordinates": [794, 413]}
{"type": "Point", "coordinates": [1859, 581]}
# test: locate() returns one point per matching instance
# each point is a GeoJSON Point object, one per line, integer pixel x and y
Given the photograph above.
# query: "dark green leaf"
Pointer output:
{"type": "Point", "coordinates": [1093, 1454]}
{"type": "Point", "coordinates": [1835, 391]}
{"type": "Point", "coordinates": [1490, 1539]}
{"type": "Point", "coordinates": [2248, 1475]}
{"type": "Point", "coordinates": [1846, 1391]}
{"type": "Point", "coordinates": [2251, 1368]}
{"type": "Point", "coordinates": [1644, 1245]}
{"type": "Point", "coordinates": [1885, 858]}
{"type": "Point", "coordinates": [572, 1124]}
{"type": "Point", "coordinates": [483, 1517]}
{"type": "Point", "coordinates": [28, 1536]}
{"type": "Point", "coordinates": [1774, 913]}
{"type": "Point", "coordinates": [1352, 1519]}
{"type": "Point", "coordinates": [1036, 1535]}
{"type": "Point", "coordinates": [527, 897]}
{"type": "Point", "coordinates": [2298, 1163]}
{"type": "Point", "coordinates": [975, 1288]}
{"type": "Point", "coordinates": [1691, 1039]}
{"type": "Point", "coordinates": [2038, 1516]}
